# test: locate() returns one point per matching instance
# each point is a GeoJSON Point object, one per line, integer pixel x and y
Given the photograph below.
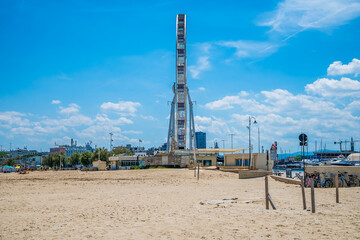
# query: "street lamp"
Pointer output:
{"type": "Point", "coordinates": [249, 127]}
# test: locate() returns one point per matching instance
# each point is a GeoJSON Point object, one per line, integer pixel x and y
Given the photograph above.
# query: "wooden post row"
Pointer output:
{"type": "Point", "coordinates": [337, 187]}
{"type": "Point", "coordinates": [303, 192]}
{"type": "Point", "coordinates": [266, 192]}
{"type": "Point", "coordinates": [198, 171]}
{"type": "Point", "coordinates": [312, 196]}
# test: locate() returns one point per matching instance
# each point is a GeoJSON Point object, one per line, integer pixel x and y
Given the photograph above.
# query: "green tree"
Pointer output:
{"type": "Point", "coordinates": [74, 159]}
{"type": "Point", "coordinates": [104, 155]}
{"type": "Point", "coordinates": [95, 155]}
{"type": "Point", "coordinates": [122, 150]}
{"type": "Point", "coordinates": [63, 159]}
{"type": "Point", "coordinates": [85, 158]}
{"type": "Point", "coordinates": [9, 162]}
{"type": "Point", "coordinates": [56, 160]}
{"type": "Point", "coordinates": [3, 154]}
{"type": "Point", "coordinates": [48, 161]}
{"type": "Point", "coordinates": [297, 158]}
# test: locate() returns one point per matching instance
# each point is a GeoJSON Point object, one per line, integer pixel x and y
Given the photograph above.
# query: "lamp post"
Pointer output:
{"type": "Point", "coordinates": [259, 139]}
{"type": "Point", "coordinates": [232, 136]}
{"type": "Point", "coordinates": [249, 127]}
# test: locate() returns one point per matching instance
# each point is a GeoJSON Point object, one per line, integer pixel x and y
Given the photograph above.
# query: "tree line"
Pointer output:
{"type": "Point", "coordinates": [85, 158]}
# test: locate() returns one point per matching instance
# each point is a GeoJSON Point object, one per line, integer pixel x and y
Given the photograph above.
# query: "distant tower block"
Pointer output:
{"type": "Point", "coordinates": [177, 136]}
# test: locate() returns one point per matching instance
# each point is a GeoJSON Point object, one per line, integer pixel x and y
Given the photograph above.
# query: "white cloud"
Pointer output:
{"type": "Point", "coordinates": [77, 120]}
{"type": "Point", "coordinates": [243, 94]}
{"type": "Point", "coordinates": [201, 88]}
{"type": "Point", "coordinates": [354, 106]}
{"type": "Point", "coordinates": [132, 132]}
{"type": "Point", "coordinates": [282, 115]}
{"type": "Point", "coordinates": [281, 100]}
{"type": "Point", "coordinates": [250, 49]}
{"type": "Point", "coordinates": [337, 68]}
{"type": "Point", "coordinates": [98, 132]}
{"type": "Point", "coordinates": [122, 107]}
{"type": "Point", "coordinates": [38, 129]}
{"type": "Point", "coordinates": [293, 16]}
{"type": "Point", "coordinates": [225, 103]}
{"type": "Point", "coordinates": [72, 121]}
{"type": "Point", "coordinates": [104, 119]}
{"type": "Point", "coordinates": [23, 130]}
{"type": "Point", "coordinates": [334, 88]}
{"type": "Point", "coordinates": [202, 120]}
{"type": "Point", "coordinates": [72, 108]}
{"type": "Point", "coordinates": [202, 62]}
{"type": "Point", "coordinates": [151, 118]}
{"type": "Point", "coordinates": [11, 118]}
{"type": "Point", "coordinates": [229, 102]}
{"type": "Point", "coordinates": [211, 125]}
{"type": "Point", "coordinates": [55, 102]}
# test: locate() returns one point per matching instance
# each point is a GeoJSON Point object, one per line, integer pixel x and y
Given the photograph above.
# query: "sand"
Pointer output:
{"type": "Point", "coordinates": [167, 204]}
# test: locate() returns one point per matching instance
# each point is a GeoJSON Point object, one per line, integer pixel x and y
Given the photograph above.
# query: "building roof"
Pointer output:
{"type": "Point", "coordinates": [219, 150]}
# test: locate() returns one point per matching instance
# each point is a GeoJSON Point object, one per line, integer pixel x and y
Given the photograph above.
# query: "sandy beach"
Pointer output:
{"type": "Point", "coordinates": [166, 204]}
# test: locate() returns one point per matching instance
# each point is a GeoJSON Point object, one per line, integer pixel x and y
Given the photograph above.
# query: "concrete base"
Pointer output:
{"type": "Point", "coordinates": [354, 170]}
{"type": "Point", "coordinates": [287, 180]}
{"type": "Point", "coordinates": [244, 174]}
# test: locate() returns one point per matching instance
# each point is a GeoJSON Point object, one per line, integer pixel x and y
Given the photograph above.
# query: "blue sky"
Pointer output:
{"type": "Point", "coordinates": [80, 69]}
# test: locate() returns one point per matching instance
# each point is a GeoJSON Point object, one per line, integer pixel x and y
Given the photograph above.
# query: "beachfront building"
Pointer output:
{"type": "Point", "coordinates": [32, 160]}
{"type": "Point", "coordinates": [242, 160]}
{"type": "Point", "coordinates": [21, 152]}
{"type": "Point", "coordinates": [100, 165]}
{"type": "Point", "coordinates": [73, 148]}
{"type": "Point", "coordinates": [58, 150]}
{"type": "Point", "coordinates": [207, 160]}
{"type": "Point", "coordinates": [125, 162]}
{"type": "Point", "coordinates": [69, 150]}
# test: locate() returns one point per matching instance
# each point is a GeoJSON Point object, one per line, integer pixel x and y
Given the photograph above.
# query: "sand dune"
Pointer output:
{"type": "Point", "coordinates": [165, 204]}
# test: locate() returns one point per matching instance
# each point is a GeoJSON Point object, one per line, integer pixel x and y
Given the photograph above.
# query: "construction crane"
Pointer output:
{"type": "Point", "coordinates": [340, 143]}
{"type": "Point", "coordinates": [352, 144]}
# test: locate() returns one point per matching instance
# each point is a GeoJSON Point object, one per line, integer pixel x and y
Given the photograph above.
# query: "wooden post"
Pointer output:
{"type": "Point", "coordinates": [337, 187]}
{"type": "Point", "coordinates": [303, 192]}
{"type": "Point", "coordinates": [198, 171]}
{"type": "Point", "coordinates": [271, 202]}
{"type": "Point", "coordinates": [242, 158]}
{"type": "Point", "coordinates": [266, 192]}
{"type": "Point", "coordinates": [312, 196]}
{"type": "Point", "coordinates": [194, 168]}
{"type": "Point", "coordinates": [267, 160]}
